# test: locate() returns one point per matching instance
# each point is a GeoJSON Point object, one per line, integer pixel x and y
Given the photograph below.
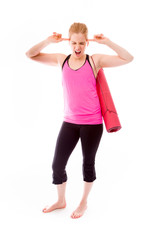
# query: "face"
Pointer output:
{"type": "Point", "coordinates": [78, 44]}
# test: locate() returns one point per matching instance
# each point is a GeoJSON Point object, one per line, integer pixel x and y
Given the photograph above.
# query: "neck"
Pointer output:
{"type": "Point", "coordinates": [78, 59]}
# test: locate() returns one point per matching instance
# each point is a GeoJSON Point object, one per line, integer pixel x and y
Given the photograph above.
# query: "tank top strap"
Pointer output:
{"type": "Point", "coordinates": [66, 60]}
{"type": "Point", "coordinates": [87, 58]}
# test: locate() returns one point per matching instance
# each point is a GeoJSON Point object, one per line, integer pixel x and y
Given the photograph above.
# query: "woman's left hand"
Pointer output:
{"type": "Point", "coordinates": [100, 38]}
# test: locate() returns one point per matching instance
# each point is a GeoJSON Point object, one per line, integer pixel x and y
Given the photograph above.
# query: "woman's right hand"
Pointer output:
{"type": "Point", "coordinates": [55, 38]}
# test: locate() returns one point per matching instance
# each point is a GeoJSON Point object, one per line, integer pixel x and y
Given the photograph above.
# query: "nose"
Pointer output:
{"type": "Point", "coordinates": [77, 45]}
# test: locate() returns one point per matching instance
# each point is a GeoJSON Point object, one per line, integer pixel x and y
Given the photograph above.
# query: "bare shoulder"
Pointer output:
{"type": "Point", "coordinates": [61, 57]}
{"type": "Point", "coordinates": [95, 58]}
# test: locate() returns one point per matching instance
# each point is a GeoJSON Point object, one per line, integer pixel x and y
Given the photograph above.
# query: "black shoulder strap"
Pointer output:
{"type": "Point", "coordinates": [90, 62]}
{"type": "Point", "coordinates": [88, 59]}
{"type": "Point", "coordinates": [66, 60]}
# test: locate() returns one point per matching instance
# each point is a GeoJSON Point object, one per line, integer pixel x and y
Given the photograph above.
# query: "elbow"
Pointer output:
{"type": "Point", "coordinates": [131, 58]}
{"type": "Point", "coordinates": [27, 54]}
{"type": "Point", "coordinates": [128, 58]}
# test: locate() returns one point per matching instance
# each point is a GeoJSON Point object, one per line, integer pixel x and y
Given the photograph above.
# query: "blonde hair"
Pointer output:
{"type": "Point", "coordinates": [78, 28]}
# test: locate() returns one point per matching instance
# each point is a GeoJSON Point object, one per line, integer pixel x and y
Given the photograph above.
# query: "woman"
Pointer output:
{"type": "Point", "coordinates": [82, 112]}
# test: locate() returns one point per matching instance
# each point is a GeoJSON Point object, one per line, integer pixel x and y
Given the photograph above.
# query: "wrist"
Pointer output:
{"type": "Point", "coordinates": [47, 41]}
{"type": "Point", "coordinates": [107, 41]}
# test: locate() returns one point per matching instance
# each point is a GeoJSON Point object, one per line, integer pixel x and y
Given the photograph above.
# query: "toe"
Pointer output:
{"type": "Point", "coordinates": [76, 216]}
{"type": "Point", "coordinates": [73, 215]}
{"type": "Point", "coordinates": [44, 209]}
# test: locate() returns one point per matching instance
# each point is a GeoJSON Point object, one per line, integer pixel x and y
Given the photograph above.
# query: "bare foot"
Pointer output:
{"type": "Point", "coordinates": [57, 205]}
{"type": "Point", "coordinates": [80, 210]}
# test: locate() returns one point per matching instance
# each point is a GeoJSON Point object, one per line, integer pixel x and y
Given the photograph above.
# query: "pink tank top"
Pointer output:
{"type": "Point", "coordinates": [81, 102]}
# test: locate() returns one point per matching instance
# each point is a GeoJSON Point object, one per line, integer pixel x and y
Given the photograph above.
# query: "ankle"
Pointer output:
{"type": "Point", "coordinates": [83, 201]}
{"type": "Point", "coordinates": [62, 200]}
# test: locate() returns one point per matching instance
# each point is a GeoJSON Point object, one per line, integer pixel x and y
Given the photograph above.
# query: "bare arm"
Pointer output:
{"type": "Point", "coordinates": [52, 59]}
{"type": "Point", "coordinates": [35, 50]}
{"type": "Point", "coordinates": [104, 60]}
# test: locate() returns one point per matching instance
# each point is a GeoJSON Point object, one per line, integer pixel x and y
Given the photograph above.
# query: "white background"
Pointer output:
{"type": "Point", "coordinates": [124, 201]}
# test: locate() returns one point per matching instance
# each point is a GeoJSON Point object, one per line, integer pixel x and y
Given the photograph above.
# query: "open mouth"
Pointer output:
{"type": "Point", "coordinates": [78, 52]}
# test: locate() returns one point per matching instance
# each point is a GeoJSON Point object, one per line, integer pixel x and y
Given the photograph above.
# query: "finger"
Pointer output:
{"type": "Point", "coordinates": [97, 35]}
{"type": "Point", "coordinates": [57, 34]}
{"type": "Point", "coordinates": [91, 39]}
{"type": "Point", "coordinates": [65, 38]}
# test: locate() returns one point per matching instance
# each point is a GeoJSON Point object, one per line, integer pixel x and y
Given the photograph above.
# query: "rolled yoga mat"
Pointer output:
{"type": "Point", "coordinates": [108, 109]}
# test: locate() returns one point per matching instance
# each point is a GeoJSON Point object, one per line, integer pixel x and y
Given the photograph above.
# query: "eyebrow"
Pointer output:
{"type": "Point", "coordinates": [80, 42]}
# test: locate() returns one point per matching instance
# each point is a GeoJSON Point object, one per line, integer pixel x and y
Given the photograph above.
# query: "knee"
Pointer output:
{"type": "Point", "coordinates": [89, 173]}
{"type": "Point", "coordinates": [57, 169]}
{"type": "Point", "coordinates": [55, 166]}
{"type": "Point", "coordinates": [59, 174]}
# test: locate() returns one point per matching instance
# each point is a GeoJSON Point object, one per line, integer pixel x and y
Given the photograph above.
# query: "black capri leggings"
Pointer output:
{"type": "Point", "coordinates": [67, 139]}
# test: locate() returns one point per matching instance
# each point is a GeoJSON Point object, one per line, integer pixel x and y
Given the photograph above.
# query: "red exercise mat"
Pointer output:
{"type": "Point", "coordinates": [108, 109]}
